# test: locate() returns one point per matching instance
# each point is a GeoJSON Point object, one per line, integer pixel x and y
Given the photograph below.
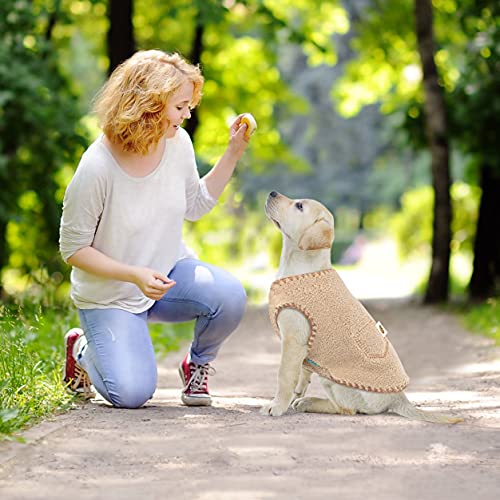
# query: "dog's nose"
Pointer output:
{"type": "Point", "coordinates": [273, 194]}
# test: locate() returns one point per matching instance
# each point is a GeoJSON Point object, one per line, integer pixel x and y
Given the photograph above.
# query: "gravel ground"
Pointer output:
{"type": "Point", "coordinates": [229, 451]}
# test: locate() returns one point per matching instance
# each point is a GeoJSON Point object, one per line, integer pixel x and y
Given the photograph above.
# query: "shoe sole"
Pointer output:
{"type": "Point", "coordinates": [81, 392]}
{"type": "Point", "coordinates": [69, 381]}
{"type": "Point", "coordinates": [193, 400]}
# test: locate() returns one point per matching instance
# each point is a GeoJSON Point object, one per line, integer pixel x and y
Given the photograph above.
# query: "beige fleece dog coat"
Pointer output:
{"type": "Point", "coordinates": [346, 345]}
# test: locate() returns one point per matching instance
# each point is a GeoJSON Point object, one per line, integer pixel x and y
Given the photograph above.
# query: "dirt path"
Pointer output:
{"type": "Point", "coordinates": [229, 451]}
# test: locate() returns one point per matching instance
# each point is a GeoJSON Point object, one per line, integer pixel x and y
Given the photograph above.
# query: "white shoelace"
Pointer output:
{"type": "Point", "coordinates": [198, 377]}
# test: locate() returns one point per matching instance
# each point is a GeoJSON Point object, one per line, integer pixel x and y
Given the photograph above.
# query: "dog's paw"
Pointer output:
{"type": "Point", "coordinates": [298, 395]}
{"type": "Point", "coordinates": [302, 405]}
{"type": "Point", "coordinates": [273, 409]}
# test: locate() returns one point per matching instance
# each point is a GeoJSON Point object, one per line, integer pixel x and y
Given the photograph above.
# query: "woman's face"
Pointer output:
{"type": "Point", "coordinates": [178, 108]}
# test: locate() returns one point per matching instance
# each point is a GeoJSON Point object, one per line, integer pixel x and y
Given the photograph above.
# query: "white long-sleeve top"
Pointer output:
{"type": "Point", "coordinates": [134, 220]}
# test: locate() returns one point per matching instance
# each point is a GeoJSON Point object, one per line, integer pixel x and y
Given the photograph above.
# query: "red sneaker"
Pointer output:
{"type": "Point", "coordinates": [195, 379]}
{"type": "Point", "coordinates": [74, 375]}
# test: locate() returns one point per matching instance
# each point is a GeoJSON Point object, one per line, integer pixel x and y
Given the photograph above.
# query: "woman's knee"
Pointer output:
{"type": "Point", "coordinates": [233, 302]}
{"type": "Point", "coordinates": [131, 392]}
{"type": "Point", "coordinates": [238, 299]}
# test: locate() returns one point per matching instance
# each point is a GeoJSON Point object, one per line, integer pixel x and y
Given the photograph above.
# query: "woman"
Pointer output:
{"type": "Point", "coordinates": [121, 230]}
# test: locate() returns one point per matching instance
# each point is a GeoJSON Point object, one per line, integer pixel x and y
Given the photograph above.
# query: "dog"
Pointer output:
{"type": "Point", "coordinates": [307, 228]}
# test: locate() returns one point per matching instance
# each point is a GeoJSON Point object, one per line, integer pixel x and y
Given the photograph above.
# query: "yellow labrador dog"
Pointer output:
{"type": "Point", "coordinates": [308, 232]}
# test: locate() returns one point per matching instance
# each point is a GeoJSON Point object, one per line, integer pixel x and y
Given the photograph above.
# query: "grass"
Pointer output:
{"type": "Point", "coordinates": [484, 319]}
{"type": "Point", "coordinates": [32, 358]}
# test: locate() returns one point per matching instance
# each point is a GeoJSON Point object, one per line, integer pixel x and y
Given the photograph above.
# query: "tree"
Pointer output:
{"type": "Point", "coordinates": [395, 46]}
{"type": "Point", "coordinates": [121, 40]}
{"type": "Point", "coordinates": [437, 134]}
{"type": "Point", "coordinates": [475, 123]}
{"type": "Point", "coordinates": [466, 58]}
{"type": "Point", "coordinates": [485, 280]}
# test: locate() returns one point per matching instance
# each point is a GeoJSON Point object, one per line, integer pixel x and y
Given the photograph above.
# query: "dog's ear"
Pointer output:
{"type": "Point", "coordinates": [319, 235]}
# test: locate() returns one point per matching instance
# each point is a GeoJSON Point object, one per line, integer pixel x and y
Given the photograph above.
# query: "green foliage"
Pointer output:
{"type": "Point", "coordinates": [484, 319]}
{"type": "Point", "coordinates": [473, 89]}
{"type": "Point", "coordinates": [387, 68]}
{"type": "Point", "coordinates": [169, 337]}
{"type": "Point", "coordinates": [475, 119]}
{"type": "Point", "coordinates": [460, 271]}
{"type": "Point", "coordinates": [79, 39]}
{"type": "Point", "coordinates": [412, 225]}
{"type": "Point", "coordinates": [376, 74]}
{"type": "Point", "coordinates": [241, 44]}
{"type": "Point", "coordinates": [39, 132]}
{"type": "Point", "coordinates": [233, 233]}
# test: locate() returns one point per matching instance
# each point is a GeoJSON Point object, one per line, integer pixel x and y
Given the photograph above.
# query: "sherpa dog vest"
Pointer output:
{"type": "Point", "coordinates": [346, 345]}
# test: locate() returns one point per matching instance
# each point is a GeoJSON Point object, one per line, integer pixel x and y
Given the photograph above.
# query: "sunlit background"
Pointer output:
{"type": "Point", "coordinates": [336, 91]}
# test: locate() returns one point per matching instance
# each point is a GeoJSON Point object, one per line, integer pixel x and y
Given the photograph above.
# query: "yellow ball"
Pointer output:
{"type": "Point", "coordinates": [251, 124]}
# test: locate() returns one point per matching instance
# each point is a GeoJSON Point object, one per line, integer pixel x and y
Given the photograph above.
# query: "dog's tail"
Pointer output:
{"type": "Point", "coordinates": [402, 406]}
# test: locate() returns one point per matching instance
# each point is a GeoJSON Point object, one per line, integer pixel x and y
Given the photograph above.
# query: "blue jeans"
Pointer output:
{"type": "Point", "coordinates": [119, 356]}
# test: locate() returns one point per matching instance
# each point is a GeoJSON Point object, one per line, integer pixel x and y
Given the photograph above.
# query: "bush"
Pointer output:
{"type": "Point", "coordinates": [233, 233]}
{"type": "Point", "coordinates": [40, 133]}
{"type": "Point", "coordinates": [412, 225]}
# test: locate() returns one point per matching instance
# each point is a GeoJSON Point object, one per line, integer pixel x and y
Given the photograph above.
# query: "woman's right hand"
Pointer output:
{"type": "Point", "coordinates": [237, 138]}
{"type": "Point", "coordinates": [153, 284]}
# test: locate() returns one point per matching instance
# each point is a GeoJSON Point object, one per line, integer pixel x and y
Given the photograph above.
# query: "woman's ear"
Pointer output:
{"type": "Point", "coordinates": [319, 235]}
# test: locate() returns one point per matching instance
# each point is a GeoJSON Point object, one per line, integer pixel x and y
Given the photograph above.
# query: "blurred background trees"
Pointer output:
{"type": "Point", "coordinates": [39, 132]}
{"type": "Point", "coordinates": [336, 88]}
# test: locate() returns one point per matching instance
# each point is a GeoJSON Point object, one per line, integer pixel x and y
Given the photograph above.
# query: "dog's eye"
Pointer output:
{"type": "Point", "coordinates": [299, 206]}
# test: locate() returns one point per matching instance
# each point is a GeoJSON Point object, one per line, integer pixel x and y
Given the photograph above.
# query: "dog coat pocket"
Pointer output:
{"type": "Point", "coordinates": [371, 340]}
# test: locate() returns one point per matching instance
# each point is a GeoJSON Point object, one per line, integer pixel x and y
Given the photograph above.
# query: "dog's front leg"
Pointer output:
{"type": "Point", "coordinates": [294, 334]}
{"type": "Point", "coordinates": [292, 355]}
{"type": "Point", "coordinates": [303, 384]}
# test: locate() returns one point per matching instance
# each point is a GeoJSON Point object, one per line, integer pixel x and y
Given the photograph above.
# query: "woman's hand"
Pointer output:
{"type": "Point", "coordinates": [217, 179]}
{"type": "Point", "coordinates": [237, 140]}
{"type": "Point", "coordinates": [153, 284]}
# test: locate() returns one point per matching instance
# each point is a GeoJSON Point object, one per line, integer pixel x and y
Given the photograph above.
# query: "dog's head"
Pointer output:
{"type": "Point", "coordinates": [307, 223]}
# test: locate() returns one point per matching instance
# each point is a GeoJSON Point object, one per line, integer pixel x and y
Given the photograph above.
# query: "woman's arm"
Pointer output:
{"type": "Point", "coordinates": [217, 179]}
{"type": "Point", "coordinates": [153, 284]}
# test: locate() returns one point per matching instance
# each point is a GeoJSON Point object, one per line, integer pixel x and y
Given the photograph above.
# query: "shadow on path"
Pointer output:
{"type": "Point", "coordinates": [230, 451]}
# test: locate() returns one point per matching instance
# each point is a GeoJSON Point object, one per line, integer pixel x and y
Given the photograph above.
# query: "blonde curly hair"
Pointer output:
{"type": "Point", "coordinates": [131, 104]}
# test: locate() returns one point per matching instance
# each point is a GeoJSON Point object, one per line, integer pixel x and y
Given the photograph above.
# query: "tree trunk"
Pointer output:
{"type": "Point", "coordinates": [121, 41]}
{"type": "Point", "coordinates": [195, 58]}
{"type": "Point", "coordinates": [52, 20]}
{"type": "Point", "coordinates": [437, 136]}
{"type": "Point", "coordinates": [486, 268]}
